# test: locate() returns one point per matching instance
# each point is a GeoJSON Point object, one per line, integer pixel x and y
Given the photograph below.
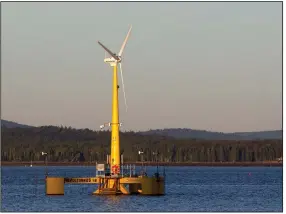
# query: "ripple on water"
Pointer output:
{"type": "Point", "coordinates": [215, 189]}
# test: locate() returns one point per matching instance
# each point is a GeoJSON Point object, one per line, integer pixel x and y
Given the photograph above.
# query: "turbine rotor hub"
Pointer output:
{"type": "Point", "coordinates": [119, 60]}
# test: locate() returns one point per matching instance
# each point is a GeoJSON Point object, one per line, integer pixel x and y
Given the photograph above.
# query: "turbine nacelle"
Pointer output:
{"type": "Point", "coordinates": [112, 60]}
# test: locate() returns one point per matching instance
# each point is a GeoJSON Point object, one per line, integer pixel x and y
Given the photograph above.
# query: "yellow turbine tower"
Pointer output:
{"type": "Point", "coordinates": [114, 61]}
{"type": "Point", "coordinates": [115, 183]}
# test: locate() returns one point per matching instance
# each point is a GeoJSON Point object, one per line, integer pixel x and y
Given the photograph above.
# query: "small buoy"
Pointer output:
{"type": "Point", "coordinates": [249, 174]}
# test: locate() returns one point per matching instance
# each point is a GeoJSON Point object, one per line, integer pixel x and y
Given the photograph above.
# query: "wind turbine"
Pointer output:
{"type": "Point", "coordinates": [113, 61]}
{"type": "Point", "coordinates": [117, 59]}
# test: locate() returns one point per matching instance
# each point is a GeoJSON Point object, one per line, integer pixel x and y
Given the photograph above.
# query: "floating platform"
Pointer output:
{"type": "Point", "coordinates": [109, 185]}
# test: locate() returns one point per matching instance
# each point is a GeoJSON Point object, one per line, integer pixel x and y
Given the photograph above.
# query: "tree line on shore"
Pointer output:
{"type": "Point", "coordinates": [65, 144]}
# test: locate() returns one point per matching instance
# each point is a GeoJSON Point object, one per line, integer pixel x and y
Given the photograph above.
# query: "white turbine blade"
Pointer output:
{"type": "Point", "coordinates": [108, 51]}
{"type": "Point", "coordinates": [124, 43]}
{"type": "Point", "coordinates": [123, 86]}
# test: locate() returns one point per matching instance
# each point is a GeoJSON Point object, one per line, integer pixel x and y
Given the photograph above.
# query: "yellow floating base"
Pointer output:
{"type": "Point", "coordinates": [152, 186]}
{"type": "Point", "coordinates": [111, 185]}
{"type": "Point", "coordinates": [54, 186]}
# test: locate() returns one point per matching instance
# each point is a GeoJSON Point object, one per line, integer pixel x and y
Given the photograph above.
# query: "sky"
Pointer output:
{"type": "Point", "coordinates": [214, 66]}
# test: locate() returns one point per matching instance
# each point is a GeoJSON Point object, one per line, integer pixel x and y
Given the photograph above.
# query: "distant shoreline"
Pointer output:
{"type": "Point", "coordinates": [210, 164]}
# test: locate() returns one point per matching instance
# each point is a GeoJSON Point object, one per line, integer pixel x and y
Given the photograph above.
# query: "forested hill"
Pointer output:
{"type": "Point", "coordinates": [202, 134]}
{"type": "Point", "coordinates": [68, 144]}
{"type": "Point", "coordinates": [10, 124]}
{"type": "Point", "coordinates": [189, 133]}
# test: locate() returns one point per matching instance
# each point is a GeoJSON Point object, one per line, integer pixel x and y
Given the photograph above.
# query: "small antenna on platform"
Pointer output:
{"type": "Point", "coordinates": [122, 159]}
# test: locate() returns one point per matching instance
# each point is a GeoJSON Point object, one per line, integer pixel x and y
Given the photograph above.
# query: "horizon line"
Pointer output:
{"type": "Point", "coordinates": [153, 129]}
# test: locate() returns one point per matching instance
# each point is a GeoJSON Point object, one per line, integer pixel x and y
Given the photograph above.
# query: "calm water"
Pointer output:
{"type": "Point", "coordinates": [187, 189]}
